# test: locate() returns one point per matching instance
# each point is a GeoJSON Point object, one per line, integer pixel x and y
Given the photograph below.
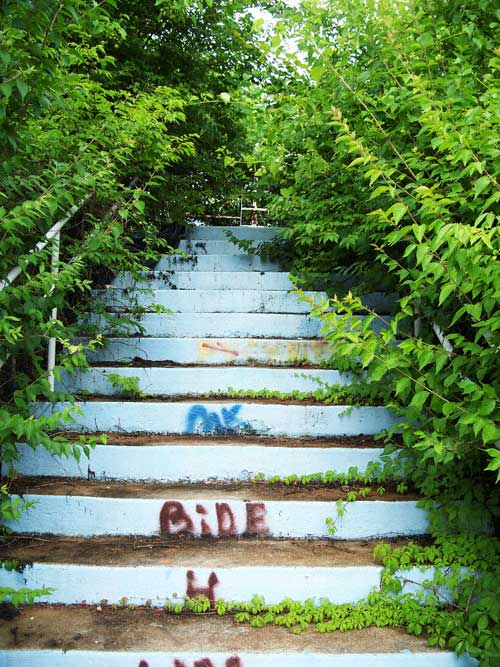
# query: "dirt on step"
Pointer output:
{"type": "Point", "coordinates": [365, 441]}
{"type": "Point", "coordinates": [105, 629]}
{"type": "Point", "coordinates": [180, 550]}
{"type": "Point", "coordinates": [196, 491]}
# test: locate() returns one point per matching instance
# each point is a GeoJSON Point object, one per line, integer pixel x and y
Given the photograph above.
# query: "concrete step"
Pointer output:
{"type": "Point", "coordinates": [174, 574]}
{"type": "Point", "coordinates": [211, 417]}
{"type": "Point", "coordinates": [177, 459]}
{"type": "Point", "coordinates": [244, 232]}
{"type": "Point", "coordinates": [216, 263]}
{"type": "Point", "coordinates": [51, 658]}
{"type": "Point", "coordinates": [214, 351]}
{"type": "Point", "coordinates": [228, 325]}
{"type": "Point", "coordinates": [209, 301]}
{"type": "Point", "coordinates": [194, 381]}
{"type": "Point", "coordinates": [85, 637]}
{"type": "Point", "coordinates": [207, 280]}
{"type": "Point", "coordinates": [189, 551]}
{"type": "Point", "coordinates": [128, 508]}
{"type": "Point", "coordinates": [226, 301]}
{"type": "Point", "coordinates": [213, 247]}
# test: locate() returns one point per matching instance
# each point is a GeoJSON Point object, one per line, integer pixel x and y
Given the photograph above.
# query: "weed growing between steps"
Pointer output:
{"type": "Point", "coordinates": [128, 386]}
{"type": "Point", "coordinates": [385, 478]}
{"type": "Point", "coordinates": [353, 395]}
{"type": "Point", "coordinates": [442, 610]}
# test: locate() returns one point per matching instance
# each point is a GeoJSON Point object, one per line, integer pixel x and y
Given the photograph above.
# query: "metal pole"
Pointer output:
{"type": "Point", "coordinates": [51, 351]}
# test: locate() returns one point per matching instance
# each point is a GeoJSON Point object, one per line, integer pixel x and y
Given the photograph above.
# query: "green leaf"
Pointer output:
{"type": "Point", "coordinates": [140, 205]}
{"type": "Point", "coordinates": [6, 89]}
{"type": "Point", "coordinates": [490, 432]}
{"type": "Point", "coordinates": [445, 292]}
{"type": "Point", "coordinates": [397, 211]}
{"type": "Point", "coordinates": [480, 185]}
{"type": "Point", "coordinates": [317, 72]}
{"type": "Point", "coordinates": [22, 87]}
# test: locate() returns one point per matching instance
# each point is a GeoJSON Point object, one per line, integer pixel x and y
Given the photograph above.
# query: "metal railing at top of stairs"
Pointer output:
{"type": "Point", "coordinates": [52, 236]}
{"type": "Point", "coordinates": [253, 208]}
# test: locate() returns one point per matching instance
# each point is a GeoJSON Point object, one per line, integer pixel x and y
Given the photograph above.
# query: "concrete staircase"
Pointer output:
{"type": "Point", "coordinates": [118, 534]}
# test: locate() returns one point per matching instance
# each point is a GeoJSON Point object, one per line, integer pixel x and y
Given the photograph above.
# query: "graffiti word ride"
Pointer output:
{"type": "Point", "coordinates": [175, 520]}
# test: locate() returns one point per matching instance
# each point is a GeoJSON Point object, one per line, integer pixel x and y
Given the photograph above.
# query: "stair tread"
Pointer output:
{"type": "Point", "coordinates": [113, 438]}
{"type": "Point", "coordinates": [192, 552]}
{"type": "Point", "coordinates": [220, 491]}
{"type": "Point", "coordinates": [80, 628]}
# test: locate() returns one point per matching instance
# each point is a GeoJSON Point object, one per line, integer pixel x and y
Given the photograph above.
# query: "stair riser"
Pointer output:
{"type": "Point", "coordinates": [214, 351]}
{"type": "Point", "coordinates": [200, 381]}
{"type": "Point", "coordinates": [87, 584]}
{"type": "Point", "coordinates": [216, 263]}
{"type": "Point", "coordinates": [209, 659]}
{"type": "Point", "coordinates": [208, 280]}
{"type": "Point", "coordinates": [210, 301]}
{"type": "Point", "coordinates": [76, 584]}
{"type": "Point", "coordinates": [226, 301]}
{"type": "Point", "coordinates": [215, 325]}
{"type": "Point", "coordinates": [75, 516]}
{"type": "Point", "coordinates": [294, 421]}
{"type": "Point", "coordinates": [212, 247]}
{"type": "Point", "coordinates": [194, 463]}
{"type": "Point", "coordinates": [243, 232]}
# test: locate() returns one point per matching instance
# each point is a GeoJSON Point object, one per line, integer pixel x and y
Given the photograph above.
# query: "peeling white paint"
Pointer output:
{"type": "Point", "coordinates": [177, 463]}
{"type": "Point", "coordinates": [88, 516]}
{"type": "Point", "coordinates": [212, 351]}
{"type": "Point", "coordinates": [198, 381]}
{"type": "Point", "coordinates": [209, 418]}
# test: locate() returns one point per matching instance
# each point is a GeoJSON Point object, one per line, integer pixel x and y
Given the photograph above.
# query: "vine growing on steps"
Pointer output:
{"type": "Point", "coordinates": [445, 608]}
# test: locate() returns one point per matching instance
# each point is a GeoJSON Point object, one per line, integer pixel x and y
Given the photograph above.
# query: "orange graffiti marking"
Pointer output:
{"type": "Point", "coordinates": [219, 348]}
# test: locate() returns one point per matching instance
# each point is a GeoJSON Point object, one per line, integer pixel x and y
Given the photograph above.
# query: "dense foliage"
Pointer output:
{"type": "Point", "coordinates": [381, 155]}
{"type": "Point", "coordinates": [90, 134]}
{"type": "Point", "coordinates": [375, 142]}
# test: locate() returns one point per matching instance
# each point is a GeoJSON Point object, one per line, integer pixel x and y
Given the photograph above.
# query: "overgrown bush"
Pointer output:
{"type": "Point", "coordinates": [383, 158]}
{"type": "Point", "coordinates": [88, 136]}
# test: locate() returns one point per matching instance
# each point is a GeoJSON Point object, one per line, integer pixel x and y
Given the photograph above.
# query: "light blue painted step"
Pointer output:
{"type": "Point", "coordinates": [227, 325]}
{"type": "Point", "coordinates": [212, 351]}
{"type": "Point", "coordinates": [76, 584]}
{"type": "Point", "coordinates": [227, 301]}
{"type": "Point", "coordinates": [210, 301]}
{"type": "Point", "coordinates": [208, 280]}
{"type": "Point", "coordinates": [222, 514]}
{"type": "Point", "coordinates": [294, 421]}
{"type": "Point", "coordinates": [195, 462]}
{"type": "Point", "coordinates": [199, 381]}
{"type": "Point", "coordinates": [212, 247]}
{"type": "Point", "coordinates": [216, 263]}
{"type": "Point", "coordinates": [244, 232]}
{"type": "Point", "coordinates": [286, 658]}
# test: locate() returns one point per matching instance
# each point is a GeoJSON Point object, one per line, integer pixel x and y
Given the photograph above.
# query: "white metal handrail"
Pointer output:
{"type": "Point", "coordinates": [254, 208]}
{"type": "Point", "coordinates": [54, 236]}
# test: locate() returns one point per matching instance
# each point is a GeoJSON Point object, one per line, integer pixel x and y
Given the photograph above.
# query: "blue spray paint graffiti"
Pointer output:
{"type": "Point", "coordinates": [199, 420]}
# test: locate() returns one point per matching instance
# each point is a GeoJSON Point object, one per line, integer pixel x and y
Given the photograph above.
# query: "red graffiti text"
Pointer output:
{"type": "Point", "coordinates": [234, 661]}
{"type": "Point", "coordinates": [175, 520]}
{"type": "Point", "coordinates": [218, 347]}
{"type": "Point", "coordinates": [194, 590]}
